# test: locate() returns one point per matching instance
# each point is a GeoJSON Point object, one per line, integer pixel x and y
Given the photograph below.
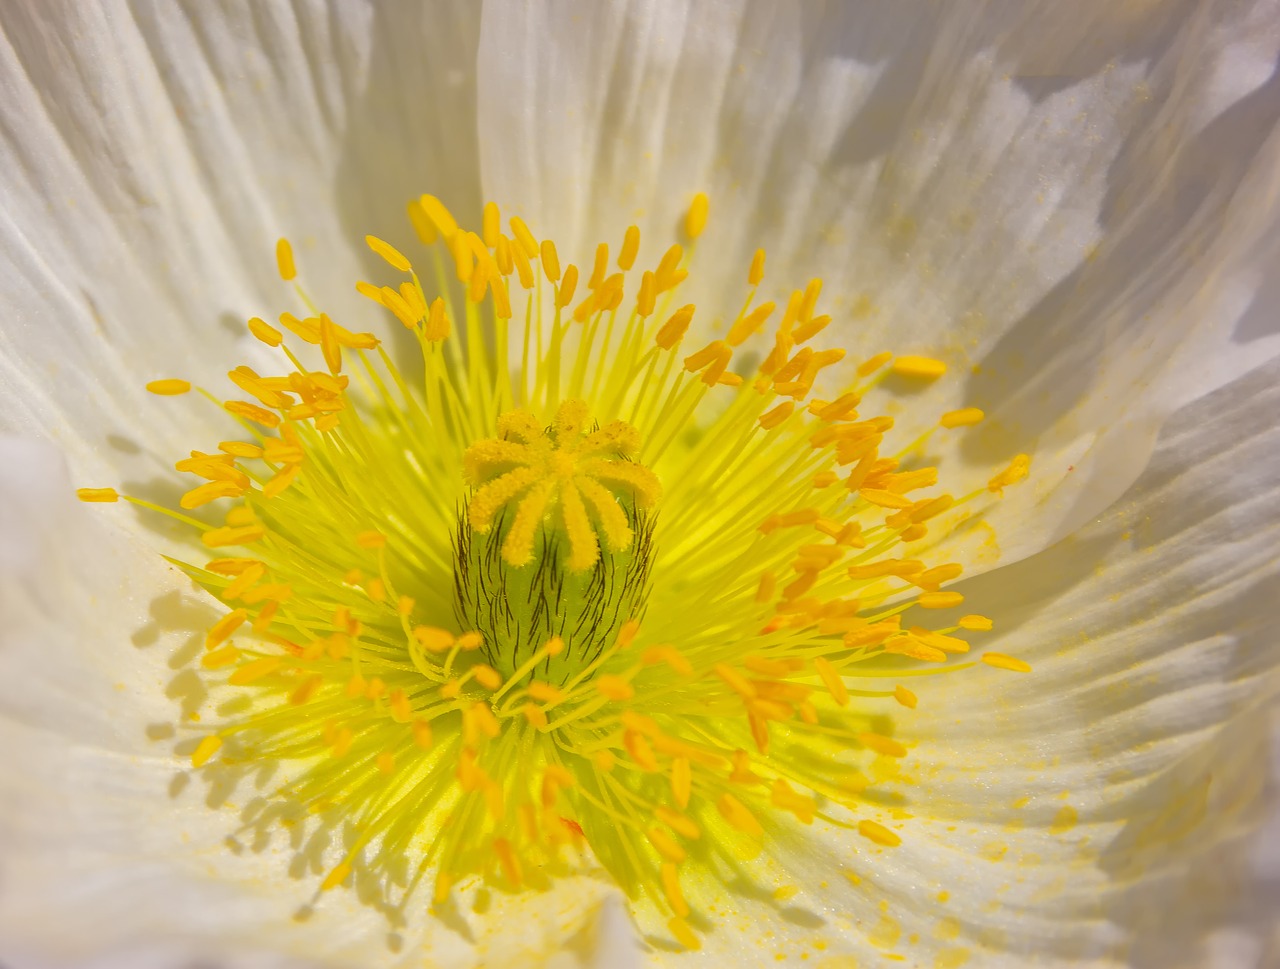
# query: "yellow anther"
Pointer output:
{"type": "Point", "coordinates": [940, 600]}
{"type": "Point", "coordinates": [683, 934]}
{"type": "Point", "coordinates": [640, 750]}
{"type": "Point", "coordinates": [885, 746]}
{"type": "Point", "coordinates": [306, 690]}
{"type": "Point", "coordinates": [389, 253]}
{"type": "Point", "coordinates": [265, 332]}
{"type": "Point", "coordinates": [222, 537]}
{"type": "Point", "coordinates": [205, 750]}
{"type": "Point", "coordinates": [735, 680]}
{"type": "Point", "coordinates": [421, 730]}
{"type": "Point", "coordinates": [440, 216]}
{"type": "Point", "coordinates": [336, 877]}
{"type": "Point", "coordinates": [666, 845]}
{"type": "Point", "coordinates": [787, 798]}
{"type": "Point", "coordinates": [980, 623]}
{"type": "Point", "coordinates": [962, 418]}
{"type": "Point", "coordinates": [1015, 472]}
{"type": "Point", "coordinates": [568, 286]}
{"type": "Point", "coordinates": [222, 630]}
{"type": "Point", "coordinates": [749, 324]}
{"type": "Point", "coordinates": [739, 818]}
{"type": "Point", "coordinates": [545, 692]}
{"type": "Point", "coordinates": [535, 715]}
{"type": "Point", "coordinates": [948, 644]}
{"type": "Point", "coordinates": [97, 494]}
{"type": "Point", "coordinates": [487, 676]}
{"type": "Point", "coordinates": [1003, 662]}
{"type": "Point", "coordinates": [885, 499]}
{"type": "Point", "coordinates": [922, 368]}
{"type": "Point", "coordinates": [756, 273]}
{"type": "Point", "coordinates": [672, 331]}
{"type": "Point", "coordinates": [868, 367]}
{"type": "Point", "coordinates": [671, 889]}
{"type": "Point", "coordinates": [422, 224]}
{"type": "Point", "coordinates": [433, 639]}
{"type": "Point", "coordinates": [255, 670]}
{"type": "Point", "coordinates": [806, 331]}
{"type": "Point", "coordinates": [502, 256]}
{"type": "Point", "coordinates": [809, 302]}
{"type": "Point", "coordinates": [930, 579]}
{"type": "Point", "coordinates": [437, 327]}
{"type": "Point", "coordinates": [491, 224]}
{"type": "Point", "coordinates": [904, 645]}
{"type": "Point", "coordinates": [776, 415]}
{"type": "Point", "coordinates": [523, 269]}
{"type": "Point", "coordinates": [831, 680]}
{"type": "Point", "coordinates": [647, 300]}
{"type": "Point", "coordinates": [614, 687]}
{"type": "Point", "coordinates": [630, 248]}
{"type": "Point", "coordinates": [668, 267]}
{"type": "Point", "coordinates": [600, 266]}
{"type": "Point", "coordinates": [284, 260]}
{"type": "Point", "coordinates": [695, 222]}
{"type": "Point", "coordinates": [550, 260]}
{"type": "Point", "coordinates": [874, 831]}
{"type": "Point", "coordinates": [905, 697]}
{"type": "Point", "coordinates": [464, 258]}
{"type": "Point", "coordinates": [219, 658]}
{"type": "Point", "coordinates": [169, 388]}
{"type": "Point", "coordinates": [478, 721]}
{"type": "Point", "coordinates": [399, 306]}
{"type": "Point", "coordinates": [252, 412]}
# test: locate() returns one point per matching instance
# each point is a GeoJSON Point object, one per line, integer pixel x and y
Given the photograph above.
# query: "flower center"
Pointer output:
{"type": "Point", "coordinates": [480, 635]}
{"type": "Point", "coordinates": [555, 541]}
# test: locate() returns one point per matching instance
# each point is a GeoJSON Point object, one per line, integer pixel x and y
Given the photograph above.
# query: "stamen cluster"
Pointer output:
{"type": "Point", "coordinates": [716, 654]}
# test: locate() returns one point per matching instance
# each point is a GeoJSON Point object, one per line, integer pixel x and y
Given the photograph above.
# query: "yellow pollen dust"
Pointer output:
{"type": "Point", "coordinates": [752, 568]}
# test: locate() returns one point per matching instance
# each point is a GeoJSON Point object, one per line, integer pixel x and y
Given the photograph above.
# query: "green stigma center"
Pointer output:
{"type": "Point", "coordinates": [528, 563]}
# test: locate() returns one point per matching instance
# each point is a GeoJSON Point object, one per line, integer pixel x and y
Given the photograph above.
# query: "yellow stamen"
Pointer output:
{"type": "Point", "coordinates": [97, 494]}
{"type": "Point", "coordinates": [695, 222]}
{"type": "Point", "coordinates": [169, 387]}
{"type": "Point", "coordinates": [284, 260]}
{"type": "Point", "coordinates": [205, 750]}
{"type": "Point", "coordinates": [923, 368]}
{"type": "Point", "coordinates": [1001, 661]}
{"type": "Point", "coordinates": [878, 833]}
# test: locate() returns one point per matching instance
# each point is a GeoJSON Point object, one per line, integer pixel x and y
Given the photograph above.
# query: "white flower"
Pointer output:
{"type": "Point", "coordinates": [1077, 201]}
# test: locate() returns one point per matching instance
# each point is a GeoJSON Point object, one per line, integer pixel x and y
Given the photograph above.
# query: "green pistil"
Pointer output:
{"type": "Point", "coordinates": [518, 610]}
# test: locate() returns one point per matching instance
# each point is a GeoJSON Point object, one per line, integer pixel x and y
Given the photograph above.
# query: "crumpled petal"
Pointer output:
{"type": "Point", "coordinates": [1120, 804]}
{"type": "Point", "coordinates": [1073, 206]}
{"type": "Point", "coordinates": [150, 157]}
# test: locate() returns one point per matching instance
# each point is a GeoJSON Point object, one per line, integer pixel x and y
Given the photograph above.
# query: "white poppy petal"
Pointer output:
{"type": "Point", "coordinates": [1120, 804]}
{"type": "Point", "coordinates": [151, 155]}
{"type": "Point", "coordinates": [1079, 203]}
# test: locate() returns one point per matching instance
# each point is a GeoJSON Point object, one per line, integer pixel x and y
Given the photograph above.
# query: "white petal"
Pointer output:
{"type": "Point", "coordinates": [1120, 805]}
{"type": "Point", "coordinates": [1080, 200]}
{"type": "Point", "coordinates": [151, 155]}
{"type": "Point", "coordinates": [110, 849]}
